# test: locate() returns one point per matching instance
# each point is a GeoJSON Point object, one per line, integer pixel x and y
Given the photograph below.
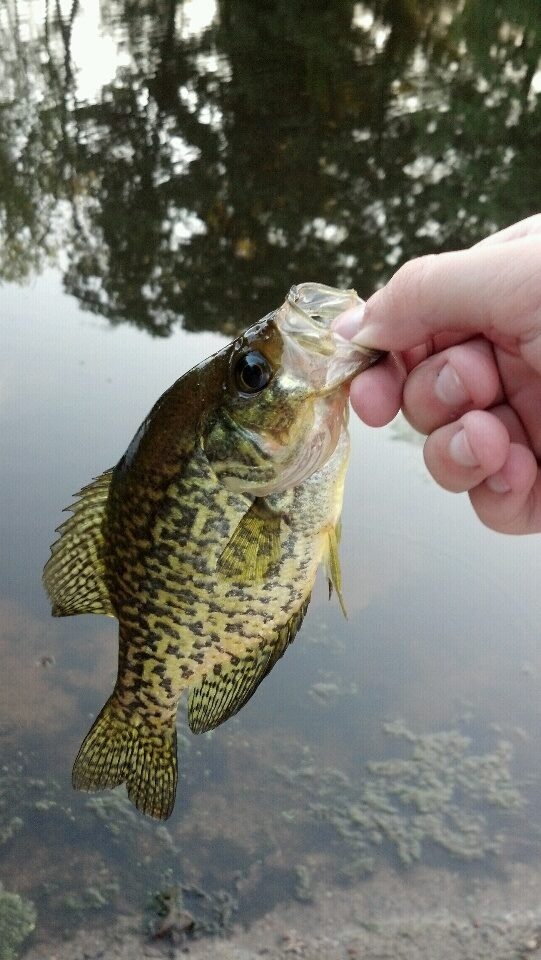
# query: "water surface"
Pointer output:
{"type": "Point", "coordinates": [167, 171]}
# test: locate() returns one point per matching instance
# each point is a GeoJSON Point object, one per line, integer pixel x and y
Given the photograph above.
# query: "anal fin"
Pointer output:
{"type": "Point", "coordinates": [74, 575]}
{"type": "Point", "coordinates": [219, 696]}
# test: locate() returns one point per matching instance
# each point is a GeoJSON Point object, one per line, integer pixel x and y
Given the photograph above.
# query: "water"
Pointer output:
{"type": "Point", "coordinates": [166, 173]}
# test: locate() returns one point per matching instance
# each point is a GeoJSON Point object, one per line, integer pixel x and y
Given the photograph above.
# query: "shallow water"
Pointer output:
{"type": "Point", "coordinates": [162, 185]}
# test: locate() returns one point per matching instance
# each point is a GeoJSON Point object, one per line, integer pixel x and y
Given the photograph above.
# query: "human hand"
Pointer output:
{"type": "Point", "coordinates": [465, 331]}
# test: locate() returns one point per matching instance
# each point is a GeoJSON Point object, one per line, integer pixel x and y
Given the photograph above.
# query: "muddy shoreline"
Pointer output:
{"type": "Point", "coordinates": [424, 914]}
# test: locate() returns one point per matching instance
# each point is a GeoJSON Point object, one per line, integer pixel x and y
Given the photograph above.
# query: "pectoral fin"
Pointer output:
{"type": "Point", "coordinates": [254, 546]}
{"type": "Point", "coordinates": [74, 574]}
{"type": "Point", "coordinates": [332, 566]}
{"type": "Point", "coordinates": [219, 696]}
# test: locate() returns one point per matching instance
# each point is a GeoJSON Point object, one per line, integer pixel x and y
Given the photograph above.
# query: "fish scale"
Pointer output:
{"type": "Point", "coordinates": [228, 632]}
{"type": "Point", "coordinates": [205, 539]}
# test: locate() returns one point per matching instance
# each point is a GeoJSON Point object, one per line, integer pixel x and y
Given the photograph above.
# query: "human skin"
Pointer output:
{"type": "Point", "coordinates": [464, 331]}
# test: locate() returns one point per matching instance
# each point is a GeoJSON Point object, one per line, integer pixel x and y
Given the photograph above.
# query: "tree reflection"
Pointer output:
{"type": "Point", "coordinates": [288, 141]}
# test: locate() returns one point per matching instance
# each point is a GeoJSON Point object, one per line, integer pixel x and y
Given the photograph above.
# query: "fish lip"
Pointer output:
{"type": "Point", "coordinates": [348, 361]}
{"type": "Point", "coordinates": [308, 312]}
{"type": "Point", "coordinates": [305, 321]}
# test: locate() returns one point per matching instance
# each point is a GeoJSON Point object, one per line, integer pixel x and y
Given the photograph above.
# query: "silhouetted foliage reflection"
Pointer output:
{"type": "Point", "coordinates": [286, 141]}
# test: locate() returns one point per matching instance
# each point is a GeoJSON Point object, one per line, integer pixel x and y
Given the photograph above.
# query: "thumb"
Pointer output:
{"type": "Point", "coordinates": [492, 289]}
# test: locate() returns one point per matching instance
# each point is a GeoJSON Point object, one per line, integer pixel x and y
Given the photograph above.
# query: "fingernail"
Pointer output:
{"type": "Point", "coordinates": [367, 336]}
{"type": "Point", "coordinates": [461, 452]}
{"type": "Point", "coordinates": [497, 484]}
{"type": "Point", "coordinates": [449, 387]}
{"type": "Point", "coordinates": [348, 323]}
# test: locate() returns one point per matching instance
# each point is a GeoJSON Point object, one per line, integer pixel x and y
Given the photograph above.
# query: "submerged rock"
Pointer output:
{"type": "Point", "coordinates": [181, 912]}
{"type": "Point", "coordinates": [303, 890]}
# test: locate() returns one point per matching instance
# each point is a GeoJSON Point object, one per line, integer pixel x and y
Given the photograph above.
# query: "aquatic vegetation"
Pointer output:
{"type": "Point", "coordinates": [324, 691]}
{"type": "Point", "coordinates": [440, 793]}
{"type": "Point", "coordinates": [17, 921]}
{"type": "Point", "coordinates": [434, 789]}
{"type": "Point", "coordinates": [114, 811]}
{"type": "Point", "coordinates": [109, 854]}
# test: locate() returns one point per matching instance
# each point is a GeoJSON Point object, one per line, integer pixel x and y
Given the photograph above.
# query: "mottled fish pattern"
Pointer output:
{"type": "Point", "coordinates": [201, 547]}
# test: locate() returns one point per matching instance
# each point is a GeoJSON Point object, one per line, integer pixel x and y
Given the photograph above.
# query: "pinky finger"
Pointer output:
{"type": "Point", "coordinates": [510, 500]}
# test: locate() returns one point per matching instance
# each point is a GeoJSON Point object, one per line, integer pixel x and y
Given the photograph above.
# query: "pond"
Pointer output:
{"type": "Point", "coordinates": [167, 171]}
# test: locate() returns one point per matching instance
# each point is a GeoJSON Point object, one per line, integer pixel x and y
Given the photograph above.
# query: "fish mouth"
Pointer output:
{"type": "Point", "coordinates": [319, 354]}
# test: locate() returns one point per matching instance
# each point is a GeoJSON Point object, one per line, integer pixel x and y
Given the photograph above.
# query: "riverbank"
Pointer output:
{"type": "Point", "coordinates": [422, 914]}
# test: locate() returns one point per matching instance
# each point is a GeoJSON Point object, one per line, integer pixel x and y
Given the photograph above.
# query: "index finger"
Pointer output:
{"type": "Point", "coordinates": [494, 290]}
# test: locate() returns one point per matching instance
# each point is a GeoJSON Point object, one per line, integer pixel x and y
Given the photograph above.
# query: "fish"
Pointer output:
{"type": "Point", "coordinates": [205, 539]}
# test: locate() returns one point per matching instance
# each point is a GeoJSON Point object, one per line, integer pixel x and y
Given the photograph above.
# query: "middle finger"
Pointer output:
{"type": "Point", "coordinates": [448, 384]}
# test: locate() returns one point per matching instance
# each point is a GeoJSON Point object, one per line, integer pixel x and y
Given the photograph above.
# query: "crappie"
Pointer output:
{"type": "Point", "coordinates": [205, 539]}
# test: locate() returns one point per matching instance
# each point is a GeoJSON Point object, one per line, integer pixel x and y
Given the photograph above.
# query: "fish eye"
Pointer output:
{"type": "Point", "coordinates": [252, 372]}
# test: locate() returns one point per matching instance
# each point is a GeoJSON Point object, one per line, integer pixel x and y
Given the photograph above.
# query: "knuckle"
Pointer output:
{"type": "Point", "coordinates": [410, 281]}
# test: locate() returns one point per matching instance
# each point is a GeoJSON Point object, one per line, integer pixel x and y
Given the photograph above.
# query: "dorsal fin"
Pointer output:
{"type": "Point", "coordinates": [219, 696]}
{"type": "Point", "coordinates": [74, 574]}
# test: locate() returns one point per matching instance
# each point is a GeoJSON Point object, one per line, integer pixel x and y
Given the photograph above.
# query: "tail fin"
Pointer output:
{"type": "Point", "coordinates": [117, 751]}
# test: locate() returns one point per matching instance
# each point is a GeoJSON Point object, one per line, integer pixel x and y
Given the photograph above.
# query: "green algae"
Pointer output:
{"type": "Point", "coordinates": [17, 921]}
{"type": "Point", "coordinates": [435, 789]}
{"type": "Point", "coordinates": [9, 828]}
{"type": "Point", "coordinates": [110, 857]}
{"type": "Point", "coordinates": [440, 794]}
{"type": "Point", "coordinates": [113, 811]}
{"type": "Point", "coordinates": [88, 828]}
